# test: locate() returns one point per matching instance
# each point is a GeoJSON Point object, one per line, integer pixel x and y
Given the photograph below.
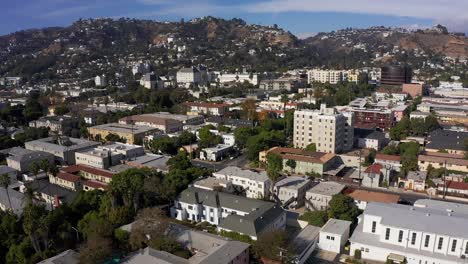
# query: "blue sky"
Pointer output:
{"type": "Point", "coordinates": [302, 17]}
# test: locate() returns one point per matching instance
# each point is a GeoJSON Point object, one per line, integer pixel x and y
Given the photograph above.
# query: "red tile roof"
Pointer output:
{"type": "Point", "coordinates": [455, 185]}
{"type": "Point", "coordinates": [387, 157]}
{"type": "Point", "coordinates": [207, 105]}
{"type": "Point", "coordinates": [303, 155]}
{"type": "Point", "coordinates": [95, 184]}
{"type": "Point", "coordinates": [369, 196]}
{"type": "Point", "coordinates": [374, 168]}
{"type": "Point", "coordinates": [68, 177]}
{"type": "Point", "coordinates": [77, 168]}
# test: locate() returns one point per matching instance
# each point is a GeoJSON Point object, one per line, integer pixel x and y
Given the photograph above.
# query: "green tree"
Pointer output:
{"type": "Point", "coordinates": [207, 138]}
{"type": "Point", "coordinates": [274, 245]}
{"type": "Point", "coordinates": [292, 164]}
{"type": "Point", "coordinates": [274, 167]}
{"type": "Point", "coordinates": [241, 135]}
{"type": "Point", "coordinates": [164, 145]}
{"type": "Point", "coordinates": [114, 138]}
{"type": "Point", "coordinates": [401, 130]}
{"type": "Point", "coordinates": [5, 182]}
{"type": "Point", "coordinates": [96, 249]}
{"type": "Point", "coordinates": [343, 207]}
{"type": "Point", "coordinates": [312, 147]}
{"type": "Point", "coordinates": [128, 185]}
{"type": "Point", "coordinates": [315, 218]}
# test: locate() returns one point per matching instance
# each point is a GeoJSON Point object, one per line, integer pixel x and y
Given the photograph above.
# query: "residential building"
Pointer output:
{"type": "Point", "coordinates": [216, 153]}
{"type": "Point", "coordinates": [363, 197]}
{"type": "Point", "coordinates": [63, 148]}
{"type": "Point", "coordinates": [400, 111]}
{"type": "Point", "coordinates": [207, 248]}
{"type": "Point", "coordinates": [334, 235]}
{"type": "Point", "coordinates": [69, 256]}
{"type": "Point", "coordinates": [415, 180]}
{"type": "Point", "coordinates": [291, 191]}
{"type": "Point", "coordinates": [326, 76]}
{"type": "Point", "coordinates": [185, 119]}
{"type": "Point", "coordinates": [140, 67]}
{"type": "Point", "coordinates": [251, 78]}
{"type": "Point", "coordinates": [381, 118]}
{"type": "Point", "coordinates": [453, 188]}
{"type": "Point", "coordinates": [281, 84]}
{"type": "Point", "coordinates": [255, 184]}
{"type": "Point", "coordinates": [106, 156]}
{"type": "Point", "coordinates": [12, 173]}
{"type": "Point", "coordinates": [412, 234]}
{"type": "Point", "coordinates": [214, 184]}
{"type": "Point", "coordinates": [168, 125]}
{"type": "Point", "coordinates": [304, 243]}
{"type": "Point", "coordinates": [21, 159]}
{"type": "Point", "coordinates": [442, 160]}
{"type": "Point", "coordinates": [100, 80]}
{"type": "Point", "coordinates": [153, 161]}
{"type": "Point", "coordinates": [201, 108]}
{"type": "Point", "coordinates": [231, 123]}
{"type": "Point", "coordinates": [318, 197]}
{"type": "Point", "coordinates": [306, 161]}
{"type": "Point", "coordinates": [133, 134]}
{"type": "Point", "coordinates": [447, 140]}
{"type": "Point", "coordinates": [373, 176]}
{"type": "Point", "coordinates": [369, 138]}
{"type": "Point", "coordinates": [389, 161]}
{"type": "Point", "coordinates": [419, 115]}
{"type": "Point", "coordinates": [330, 131]}
{"type": "Point", "coordinates": [11, 199]}
{"type": "Point", "coordinates": [149, 81]}
{"type": "Point", "coordinates": [414, 89]}
{"type": "Point", "coordinates": [189, 76]}
{"type": "Point", "coordinates": [229, 212]}
{"type": "Point", "coordinates": [59, 124]}
{"type": "Point", "coordinates": [82, 177]}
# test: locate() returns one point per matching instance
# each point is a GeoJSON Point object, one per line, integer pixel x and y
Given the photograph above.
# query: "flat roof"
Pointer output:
{"type": "Point", "coordinates": [124, 128]}
{"type": "Point", "coordinates": [247, 174]}
{"type": "Point", "coordinates": [327, 188]}
{"type": "Point", "coordinates": [336, 226]}
{"type": "Point", "coordinates": [292, 182]}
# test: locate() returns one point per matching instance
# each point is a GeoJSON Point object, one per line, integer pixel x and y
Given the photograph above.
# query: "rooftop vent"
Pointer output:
{"type": "Point", "coordinates": [428, 214]}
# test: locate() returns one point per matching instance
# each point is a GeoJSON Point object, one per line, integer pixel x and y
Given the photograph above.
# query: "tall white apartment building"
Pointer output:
{"type": "Point", "coordinates": [430, 232]}
{"type": "Point", "coordinates": [324, 76]}
{"type": "Point", "coordinates": [100, 80]}
{"type": "Point", "coordinates": [332, 132]}
{"type": "Point", "coordinates": [187, 76]}
{"type": "Point", "coordinates": [255, 184]}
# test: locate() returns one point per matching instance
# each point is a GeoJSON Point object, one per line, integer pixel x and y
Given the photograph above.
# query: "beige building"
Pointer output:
{"type": "Point", "coordinates": [318, 197]}
{"type": "Point", "coordinates": [324, 76]}
{"type": "Point", "coordinates": [80, 177]}
{"type": "Point", "coordinates": [167, 125]}
{"type": "Point", "coordinates": [332, 132]}
{"type": "Point", "coordinates": [437, 160]}
{"type": "Point", "coordinates": [132, 133]}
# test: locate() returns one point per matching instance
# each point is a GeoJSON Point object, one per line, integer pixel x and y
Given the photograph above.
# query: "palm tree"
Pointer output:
{"type": "Point", "coordinates": [5, 182]}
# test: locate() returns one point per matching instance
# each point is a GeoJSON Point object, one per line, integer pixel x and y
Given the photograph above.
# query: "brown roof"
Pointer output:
{"type": "Point", "coordinates": [149, 119]}
{"type": "Point", "coordinates": [387, 157]}
{"type": "Point", "coordinates": [374, 168]}
{"type": "Point", "coordinates": [440, 159]}
{"type": "Point", "coordinates": [303, 155]}
{"type": "Point", "coordinates": [369, 196]}
{"type": "Point", "coordinates": [77, 168]}
{"type": "Point", "coordinates": [68, 177]}
{"type": "Point", "coordinates": [95, 184]}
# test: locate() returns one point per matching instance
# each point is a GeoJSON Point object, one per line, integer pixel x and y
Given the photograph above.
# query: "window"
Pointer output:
{"type": "Point", "coordinates": [441, 241]}
{"type": "Point", "coordinates": [400, 236]}
{"type": "Point", "coordinates": [374, 224]}
{"type": "Point", "coordinates": [426, 241]}
{"type": "Point", "coordinates": [190, 207]}
{"type": "Point", "coordinates": [413, 239]}
{"type": "Point", "coordinates": [387, 234]}
{"type": "Point", "coordinates": [466, 249]}
{"type": "Point", "coordinates": [454, 245]}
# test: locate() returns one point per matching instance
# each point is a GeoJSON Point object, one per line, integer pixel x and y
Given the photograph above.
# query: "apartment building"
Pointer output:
{"type": "Point", "coordinates": [291, 191]}
{"type": "Point", "coordinates": [201, 108]}
{"type": "Point", "coordinates": [164, 124]}
{"type": "Point", "coordinates": [237, 78]}
{"type": "Point", "coordinates": [330, 131]}
{"type": "Point", "coordinates": [63, 148]}
{"type": "Point", "coordinates": [21, 159]}
{"type": "Point", "coordinates": [442, 160]}
{"type": "Point", "coordinates": [318, 197]}
{"type": "Point", "coordinates": [59, 124]}
{"type": "Point", "coordinates": [281, 84]}
{"type": "Point", "coordinates": [189, 76]}
{"type": "Point", "coordinates": [446, 140]}
{"type": "Point", "coordinates": [326, 76]}
{"type": "Point", "coordinates": [381, 118]}
{"type": "Point", "coordinates": [229, 212]}
{"type": "Point", "coordinates": [131, 133]}
{"type": "Point", "coordinates": [108, 155]}
{"type": "Point", "coordinates": [82, 177]}
{"type": "Point", "coordinates": [429, 232]}
{"type": "Point", "coordinates": [255, 184]}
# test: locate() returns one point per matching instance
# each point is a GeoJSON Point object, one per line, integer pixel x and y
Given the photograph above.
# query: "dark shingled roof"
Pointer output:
{"type": "Point", "coordinates": [446, 139]}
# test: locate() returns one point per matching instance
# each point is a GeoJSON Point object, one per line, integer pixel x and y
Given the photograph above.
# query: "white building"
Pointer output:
{"type": "Point", "coordinates": [108, 155]}
{"type": "Point", "coordinates": [255, 184]}
{"type": "Point", "coordinates": [332, 132]}
{"type": "Point", "coordinates": [229, 212]}
{"type": "Point", "coordinates": [291, 191]}
{"type": "Point", "coordinates": [324, 76]}
{"type": "Point", "coordinates": [100, 80]}
{"type": "Point", "coordinates": [318, 197]}
{"type": "Point", "coordinates": [334, 235]}
{"type": "Point", "coordinates": [216, 153]}
{"type": "Point", "coordinates": [187, 76]}
{"type": "Point", "coordinates": [428, 232]}
{"type": "Point", "coordinates": [237, 77]}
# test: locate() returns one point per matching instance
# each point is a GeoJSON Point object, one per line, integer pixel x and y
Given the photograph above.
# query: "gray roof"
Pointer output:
{"type": "Point", "coordinates": [44, 186]}
{"type": "Point", "coordinates": [124, 128]}
{"type": "Point", "coordinates": [151, 161]}
{"type": "Point", "coordinates": [431, 220]}
{"type": "Point", "coordinates": [16, 199]}
{"type": "Point", "coordinates": [446, 139]}
{"type": "Point", "coordinates": [417, 175]}
{"type": "Point", "coordinates": [67, 257]}
{"type": "Point", "coordinates": [368, 133]}
{"type": "Point", "coordinates": [307, 235]}
{"type": "Point", "coordinates": [48, 144]}
{"type": "Point", "coordinates": [5, 169]}
{"type": "Point", "coordinates": [189, 70]}
{"type": "Point", "coordinates": [260, 213]}
{"type": "Point", "coordinates": [26, 155]}
{"type": "Point", "coordinates": [336, 226]}
{"type": "Point", "coordinates": [443, 206]}
{"type": "Point", "coordinates": [247, 174]}
{"type": "Point", "coordinates": [292, 182]}
{"type": "Point", "coordinates": [327, 188]}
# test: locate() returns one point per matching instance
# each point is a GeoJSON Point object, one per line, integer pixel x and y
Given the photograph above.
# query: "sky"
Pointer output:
{"type": "Point", "coordinates": [301, 17]}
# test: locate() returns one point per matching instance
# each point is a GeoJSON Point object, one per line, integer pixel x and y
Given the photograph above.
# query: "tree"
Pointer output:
{"type": "Point", "coordinates": [187, 138]}
{"type": "Point", "coordinates": [241, 135]}
{"type": "Point", "coordinates": [343, 207]}
{"type": "Point", "coordinates": [249, 109]}
{"type": "Point", "coordinates": [115, 138]}
{"type": "Point", "coordinates": [97, 249]}
{"type": "Point", "coordinates": [207, 138]}
{"type": "Point", "coordinates": [164, 145]}
{"type": "Point", "coordinates": [315, 218]}
{"type": "Point", "coordinates": [312, 147]}
{"type": "Point", "coordinates": [291, 163]}
{"type": "Point", "coordinates": [5, 182]}
{"type": "Point", "coordinates": [128, 185]}
{"type": "Point", "coordinates": [274, 245]}
{"type": "Point", "coordinates": [150, 223]}
{"type": "Point", "coordinates": [274, 167]}
{"type": "Point", "coordinates": [401, 129]}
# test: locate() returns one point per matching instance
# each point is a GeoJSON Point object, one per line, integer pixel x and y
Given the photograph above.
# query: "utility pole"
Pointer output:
{"type": "Point", "coordinates": [360, 180]}
{"type": "Point", "coordinates": [445, 178]}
